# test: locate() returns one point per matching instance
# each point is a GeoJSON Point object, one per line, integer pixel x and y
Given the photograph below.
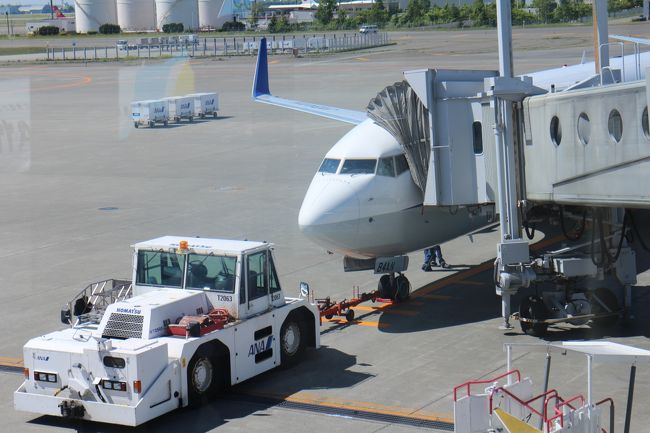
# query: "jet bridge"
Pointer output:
{"type": "Point", "coordinates": [576, 159]}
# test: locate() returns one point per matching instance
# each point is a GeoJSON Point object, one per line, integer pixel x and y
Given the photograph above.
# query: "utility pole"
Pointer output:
{"type": "Point", "coordinates": [7, 16]}
{"type": "Point", "coordinates": [51, 10]}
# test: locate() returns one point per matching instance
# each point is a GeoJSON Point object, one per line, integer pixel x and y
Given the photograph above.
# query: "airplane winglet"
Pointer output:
{"type": "Point", "coordinates": [261, 82]}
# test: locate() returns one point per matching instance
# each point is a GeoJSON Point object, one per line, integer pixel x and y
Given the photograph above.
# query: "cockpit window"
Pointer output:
{"type": "Point", "coordinates": [400, 164]}
{"type": "Point", "coordinates": [359, 166]}
{"type": "Point", "coordinates": [160, 268]}
{"type": "Point", "coordinates": [386, 167]}
{"type": "Point", "coordinates": [329, 165]}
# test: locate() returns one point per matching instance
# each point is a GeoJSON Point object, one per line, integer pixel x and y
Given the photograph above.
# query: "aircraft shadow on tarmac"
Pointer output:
{"type": "Point", "coordinates": [247, 399]}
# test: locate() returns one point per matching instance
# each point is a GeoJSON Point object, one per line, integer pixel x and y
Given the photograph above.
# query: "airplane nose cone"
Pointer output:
{"type": "Point", "coordinates": [329, 212]}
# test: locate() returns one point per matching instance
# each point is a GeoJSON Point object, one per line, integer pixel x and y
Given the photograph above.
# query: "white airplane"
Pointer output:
{"type": "Point", "coordinates": [363, 202]}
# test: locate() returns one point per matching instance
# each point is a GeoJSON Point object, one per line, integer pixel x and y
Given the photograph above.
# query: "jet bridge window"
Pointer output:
{"type": "Point", "coordinates": [211, 272]}
{"type": "Point", "coordinates": [386, 167]}
{"type": "Point", "coordinates": [359, 166]}
{"type": "Point", "coordinates": [160, 268]}
{"type": "Point", "coordinates": [477, 133]}
{"type": "Point", "coordinates": [329, 165]}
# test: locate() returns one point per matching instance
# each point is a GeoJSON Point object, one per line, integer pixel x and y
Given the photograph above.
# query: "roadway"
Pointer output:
{"type": "Point", "coordinates": [80, 185]}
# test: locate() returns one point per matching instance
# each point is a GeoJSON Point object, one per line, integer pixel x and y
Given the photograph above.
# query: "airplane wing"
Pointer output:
{"type": "Point", "coordinates": [642, 41]}
{"type": "Point", "coordinates": [261, 93]}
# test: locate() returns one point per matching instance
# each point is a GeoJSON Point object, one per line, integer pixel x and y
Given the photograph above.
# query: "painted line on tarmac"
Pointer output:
{"type": "Point", "coordinates": [354, 406]}
{"type": "Point", "coordinates": [342, 322]}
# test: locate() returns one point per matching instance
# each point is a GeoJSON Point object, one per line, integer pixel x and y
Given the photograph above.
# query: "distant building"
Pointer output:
{"type": "Point", "coordinates": [13, 10]}
{"type": "Point", "coordinates": [33, 9]}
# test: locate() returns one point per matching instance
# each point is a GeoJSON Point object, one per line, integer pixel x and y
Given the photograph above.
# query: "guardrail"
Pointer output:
{"type": "Point", "coordinates": [226, 46]}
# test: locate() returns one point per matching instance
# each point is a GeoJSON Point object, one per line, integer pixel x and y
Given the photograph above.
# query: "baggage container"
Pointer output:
{"type": "Point", "coordinates": [181, 107]}
{"type": "Point", "coordinates": [150, 112]}
{"type": "Point", "coordinates": [205, 104]}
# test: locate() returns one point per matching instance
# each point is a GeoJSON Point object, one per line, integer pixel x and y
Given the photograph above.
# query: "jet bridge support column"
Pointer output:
{"type": "Point", "coordinates": [512, 251]}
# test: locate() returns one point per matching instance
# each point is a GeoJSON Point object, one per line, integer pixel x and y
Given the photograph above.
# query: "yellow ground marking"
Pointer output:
{"type": "Point", "coordinates": [343, 321]}
{"type": "Point", "coordinates": [400, 312]}
{"type": "Point", "coordinates": [274, 62]}
{"type": "Point", "coordinates": [361, 406]}
{"type": "Point", "coordinates": [471, 283]}
{"type": "Point", "coordinates": [370, 308]}
{"type": "Point", "coordinates": [437, 297]}
{"type": "Point", "coordinates": [11, 362]}
{"type": "Point", "coordinates": [361, 59]}
{"type": "Point", "coordinates": [512, 424]}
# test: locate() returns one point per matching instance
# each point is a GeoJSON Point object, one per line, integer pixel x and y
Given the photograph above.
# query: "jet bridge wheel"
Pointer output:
{"type": "Point", "coordinates": [532, 307]}
{"type": "Point", "coordinates": [604, 301]}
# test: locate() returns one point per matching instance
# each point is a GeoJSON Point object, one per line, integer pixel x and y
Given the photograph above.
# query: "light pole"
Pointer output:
{"type": "Point", "coordinates": [51, 10]}
{"type": "Point", "coordinates": [7, 16]}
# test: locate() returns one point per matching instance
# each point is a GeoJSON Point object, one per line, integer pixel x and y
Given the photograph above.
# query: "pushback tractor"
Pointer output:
{"type": "Point", "coordinates": [200, 314]}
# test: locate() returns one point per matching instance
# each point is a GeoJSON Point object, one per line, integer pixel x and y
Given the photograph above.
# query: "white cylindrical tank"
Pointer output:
{"type": "Point", "coordinates": [90, 14]}
{"type": "Point", "coordinates": [210, 16]}
{"type": "Point", "coordinates": [177, 11]}
{"type": "Point", "coordinates": [136, 15]}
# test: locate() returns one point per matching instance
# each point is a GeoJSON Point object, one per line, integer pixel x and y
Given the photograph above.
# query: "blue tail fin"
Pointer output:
{"type": "Point", "coordinates": [261, 81]}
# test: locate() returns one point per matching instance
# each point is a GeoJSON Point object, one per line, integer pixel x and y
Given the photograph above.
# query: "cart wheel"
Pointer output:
{"type": "Point", "coordinates": [604, 296]}
{"type": "Point", "coordinates": [532, 307]}
{"type": "Point", "coordinates": [349, 315]}
{"type": "Point", "coordinates": [136, 125]}
{"type": "Point", "coordinates": [215, 114]}
{"type": "Point", "coordinates": [292, 344]}
{"type": "Point", "coordinates": [202, 116]}
{"type": "Point", "coordinates": [165, 123]}
{"type": "Point", "coordinates": [329, 316]}
{"type": "Point", "coordinates": [191, 119]}
{"type": "Point", "coordinates": [152, 124]}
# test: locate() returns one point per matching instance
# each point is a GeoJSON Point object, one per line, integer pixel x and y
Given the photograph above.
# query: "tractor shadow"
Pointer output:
{"type": "Point", "coordinates": [250, 398]}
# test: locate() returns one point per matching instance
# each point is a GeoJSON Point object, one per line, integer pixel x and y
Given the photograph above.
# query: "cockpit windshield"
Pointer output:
{"type": "Point", "coordinates": [359, 166]}
{"type": "Point", "coordinates": [329, 165]}
{"type": "Point", "coordinates": [210, 272]}
{"type": "Point", "coordinates": [160, 268]}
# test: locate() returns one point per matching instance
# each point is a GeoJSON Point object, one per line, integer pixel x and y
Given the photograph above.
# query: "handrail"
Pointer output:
{"type": "Point", "coordinates": [526, 404]}
{"type": "Point", "coordinates": [484, 381]}
{"type": "Point", "coordinates": [559, 414]}
{"type": "Point", "coordinates": [611, 412]}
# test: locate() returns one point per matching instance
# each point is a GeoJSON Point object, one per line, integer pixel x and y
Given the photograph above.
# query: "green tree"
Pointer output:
{"type": "Point", "coordinates": [257, 10]}
{"type": "Point", "coordinates": [415, 14]}
{"type": "Point", "coordinates": [545, 9]}
{"type": "Point", "coordinates": [377, 14]}
{"type": "Point", "coordinates": [325, 12]}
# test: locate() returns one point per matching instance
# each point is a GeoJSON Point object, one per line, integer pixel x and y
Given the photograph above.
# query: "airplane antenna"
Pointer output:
{"type": "Point", "coordinates": [261, 82]}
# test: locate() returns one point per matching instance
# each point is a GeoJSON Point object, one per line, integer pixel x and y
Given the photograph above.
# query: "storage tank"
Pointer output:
{"type": "Point", "coordinates": [136, 15]}
{"type": "Point", "coordinates": [177, 11]}
{"type": "Point", "coordinates": [90, 14]}
{"type": "Point", "coordinates": [210, 16]}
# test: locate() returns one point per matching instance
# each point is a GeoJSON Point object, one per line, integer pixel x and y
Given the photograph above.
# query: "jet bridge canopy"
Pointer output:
{"type": "Point", "coordinates": [435, 115]}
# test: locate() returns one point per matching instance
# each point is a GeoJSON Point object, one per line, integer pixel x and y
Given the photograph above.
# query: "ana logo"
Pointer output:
{"type": "Point", "coordinates": [159, 110]}
{"type": "Point", "coordinates": [185, 106]}
{"type": "Point", "coordinates": [260, 346]}
{"type": "Point", "coordinates": [42, 358]}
